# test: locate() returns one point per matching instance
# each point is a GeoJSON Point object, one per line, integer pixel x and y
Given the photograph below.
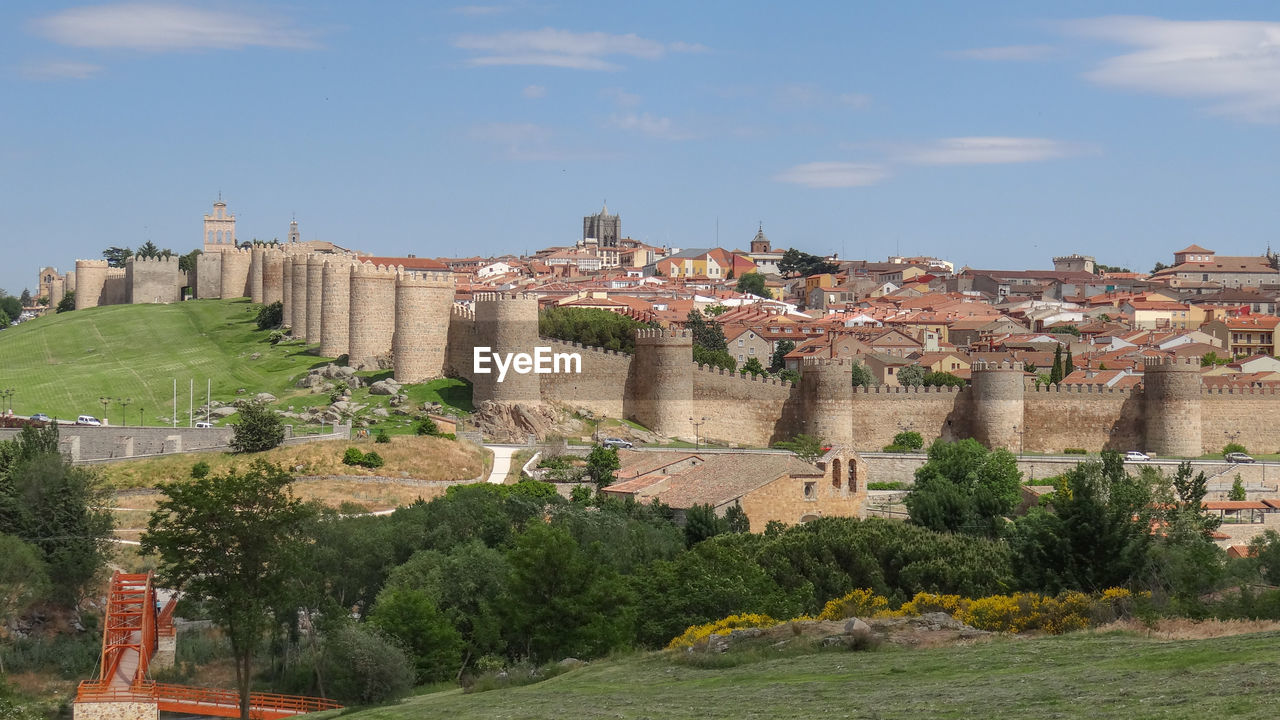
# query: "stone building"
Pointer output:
{"type": "Point", "coordinates": [604, 228]}
{"type": "Point", "coordinates": [219, 229]}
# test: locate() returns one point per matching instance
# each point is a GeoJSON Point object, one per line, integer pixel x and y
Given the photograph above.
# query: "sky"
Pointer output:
{"type": "Point", "coordinates": [992, 134]}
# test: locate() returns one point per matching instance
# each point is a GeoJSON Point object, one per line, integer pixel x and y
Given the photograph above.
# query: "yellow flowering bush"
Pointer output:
{"type": "Point", "coordinates": [925, 602]}
{"type": "Point", "coordinates": [697, 633]}
{"type": "Point", "coordinates": [858, 603]}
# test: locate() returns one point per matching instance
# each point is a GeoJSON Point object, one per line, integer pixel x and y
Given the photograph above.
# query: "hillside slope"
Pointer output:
{"type": "Point", "coordinates": [62, 364]}
{"type": "Point", "coordinates": [1083, 675]}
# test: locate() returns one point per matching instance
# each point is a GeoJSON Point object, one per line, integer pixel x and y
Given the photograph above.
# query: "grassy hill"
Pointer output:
{"type": "Point", "coordinates": [62, 364]}
{"type": "Point", "coordinates": [1082, 675]}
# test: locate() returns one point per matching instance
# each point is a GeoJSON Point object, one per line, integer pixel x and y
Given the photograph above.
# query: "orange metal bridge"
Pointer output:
{"type": "Point", "coordinates": [130, 636]}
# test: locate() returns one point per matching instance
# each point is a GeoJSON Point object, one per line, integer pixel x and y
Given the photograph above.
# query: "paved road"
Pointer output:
{"type": "Point", "coordinates": [502, 461]}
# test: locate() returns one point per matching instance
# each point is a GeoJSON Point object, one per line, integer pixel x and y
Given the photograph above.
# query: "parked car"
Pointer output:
{"type": "Point", "coordinates": [1135, 456]}
{"type": "Point", "coordinates": [1239, 457]}
{"type": "Point", "coordinates": [41, 417]}
{"type": "Point", "coordinates": [203, 424]}
{"type": "Point", "coordinates": [617, 443]}
{"type": "Point", "coordinates": [88, 420]}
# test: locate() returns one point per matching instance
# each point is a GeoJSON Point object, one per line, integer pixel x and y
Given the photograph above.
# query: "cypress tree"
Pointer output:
{"type": "Point", "coordinates": [1070, 366]}
{"type": "Point", "coordinates": [1055, 374]}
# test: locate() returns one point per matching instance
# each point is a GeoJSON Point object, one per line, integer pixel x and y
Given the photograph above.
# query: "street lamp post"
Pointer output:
{"type": "Point", "coordinates": [124, 404]}
{"type": "Point", "coordinates": [106, 403]}
{"type": "Point", "coordinates": [1019, 433]}
{"type": "Point", "coordinates": [696, 424]}
{"type": "Point", "coordinates": [7, 394]}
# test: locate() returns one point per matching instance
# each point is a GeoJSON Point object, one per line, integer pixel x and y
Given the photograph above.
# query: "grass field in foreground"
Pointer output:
{"type": "Point", "coordinates": [1083, 675]}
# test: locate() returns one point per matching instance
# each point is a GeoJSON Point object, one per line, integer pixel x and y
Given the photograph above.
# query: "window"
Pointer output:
{"type": "Point", "coordinates": [740, 358]}
{"type": "Point", "coordinates": [810, 490]}
{"type": "Point", "coordinates": [739, 342]}
{"type": "Point", "coordinates": [751, 351]}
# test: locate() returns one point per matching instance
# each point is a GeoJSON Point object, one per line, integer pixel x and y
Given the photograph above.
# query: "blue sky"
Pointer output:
{"type": "Point", "coordinates": [991, 134]}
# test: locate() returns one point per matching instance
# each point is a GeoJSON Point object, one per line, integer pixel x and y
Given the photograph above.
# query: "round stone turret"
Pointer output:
{"type": "Point", "coordinates": [1171, 403]}
{"type": "Point", "coordinates": [424, 302]}
{"type": "Point", "coordinates": [299, 319]}
{"type": "Point", "coordinates": [507, 324]}
{"type": "Point", "coordinates": [372, 317]}
{"type": "Point", "coordinates": [664, 370]}
{"type": "Point", "coordinates": [998, 404]}
{"type": "Point", "coordinates": [315, 295]}
{"type": "Point", "coordinates": [286, 289]}
{"type": "Point", "coordinates": [826, 384]}
{"type": "Point", "coordinates": [335, 306]}
{"type": "Point", "coordinates": [273, 277]}
{"type": "Point", "coordinates": [255, 273]}
{"type": "Point", "coordinates": [91, 279]}
{"type": "Point", "coordinates": [234, 281]}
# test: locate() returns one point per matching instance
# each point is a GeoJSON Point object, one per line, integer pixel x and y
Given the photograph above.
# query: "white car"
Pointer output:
{"type": "Point", "coordinates": [88, 420]}
{"type": "Point", "coordinates": [1135, 456]}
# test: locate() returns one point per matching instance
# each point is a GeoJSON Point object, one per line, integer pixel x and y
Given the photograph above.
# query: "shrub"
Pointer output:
{"type": "Point", "coordinates": [353, 456]}
{"type": "Point", "coordinates": [259, 428]}
{"type": "Point", "coordinates": [382, 437]}
{"type": "Point", "coordinates": [1075, 451]}
{"type": "Point", "coordinates": [373, 460]}
{"type": "Point", "coordinates": [427, 426]}
{"type": "Point", "coordinates": [1233, 448]}
{"type": "Point", "coordinates": [885, 485]}
{"type": "Point", "coordinates": [909, 439]}
{"type": "Point", "coordinates": [270, 316]}
{"type": "Point", "coordinates": [925, 602]}
{"type": "Point", "coordinates": [277, 336]}
{"type": "Point", "coordinates": [199, 470]}
{"type": "Point", "coordinates": [698, 633]}
{"type": "Point", "coordinates": [857, 603]}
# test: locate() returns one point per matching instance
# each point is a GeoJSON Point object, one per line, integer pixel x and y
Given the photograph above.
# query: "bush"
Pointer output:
{"type": "Point", "coordinates": [363, 666]}
{"type": "Point", "coordinates": [259, 428]}
{"type": "Point", "coordinates": [382, 437]}
{"type": "Point", "coordinates": [373, 460]}
{"type": "Point", "coordinates": [353, 456]}
{"type": "Point", "coordinates": [199, 470]}
{"type": "Point", "coordinates": [427, 426]}
{"type": "Point", "coordinates": [1233, 448]}
{"type": "Point", "coordinates": [1075, 451]}
{"type": "Point", "coordinates": [861, 603]}
{"type": "Point", "coordinates": [699, 633]}
{"type": "Point", "coordinates": [884, 485]}
{"type": "Point", "coordinates": [909, 439]}
{"type": "Point", "coordinates": [277, 336]}
{"type": "Point", "coordinates": [270, 316]}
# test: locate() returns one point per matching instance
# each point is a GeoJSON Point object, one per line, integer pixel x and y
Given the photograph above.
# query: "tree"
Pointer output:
{"type": "Point", "coordinates": [1068, 365]}
{"type": "Point", "coordinates": [23, 580]}
{"type": "Point", "coordinates": [412, 618]}
{"type": "Point", "coordinates": [148, 249]}
{"type": "Point", "coordinates": [116, 256]}
{"type": "Point", "coordinates": [270, 316]}
{"type": "Point", "coordinates": [753, 366]}
{"type": "Point", "coordinates": [25, 298]}
{"type": "Point", "coordinates": [602, 463]}
{"type": "Point", "coordinates": [702, 522]}
{"type": "Point", "coordinates": [714, 358]}
{"type": "Point", "coordinates": [777, 361]}
{"type": "Point", "coordinates": [363, 666]}
{"type": "Point", "coordinates": [1055, 373]}
{"type": "Point", "coordinates": [736, 519]}
{"type": "Point", "coordinates": [911, 376]}
{"type": "Point", "coordinates": [939, 378]}
{"type": "Point", "coordinates": [233, 542]}
{"type": "Point", "coordinates": [802, 263]}
{"type": "Point", "coordinates": [908, 439]}
{"type": "Point", "coordinates": [259, 428]}
{"type": "Point", "coordinates": [706, 334]}
{"type": "Point", "coordinates": [753, 283]}
{"type": "Point", "coordinates": [1238, 492]}
{"type": "Point", "coordinates": [187, 262]}
{"type": "Point", "coordinates": [806, 447]}
{"type": "Point", "coordinates": [964, 487]}
{"type": "Point", "coordinates": [791, 376]}
{"type": "Point", "coordinates": [862, 375]}
{"type": "Point", "coordinates": [590, 326]}
{"type": "Point", "coordinates": [1158, 267]}
{"type": "Point", "coordinates": [10, 306]}
{"type": "Point", "coordinates": [67, 303]}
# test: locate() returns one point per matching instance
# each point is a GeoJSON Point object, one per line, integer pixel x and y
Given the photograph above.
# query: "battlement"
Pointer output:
{"type": "Point", "coordinates": [652, 336]}
{"type": "Point", "coordinates": [369, 270]}
{"type": "Point", "coordinates": [1003, 366]}
{"type": "Point", "coordinates": [463, 312]}
{"type": "Point", "coordinates": [248, 252]}
{"type": "Point", "coordinates": [1171, 363]}
{"type": "Point", "coordinates": [1230, 390]}
{"type": "Point", "coordinates": [1079, 389]}
{"type": "Point", "coordinates": [91, 264]}
{"type": "Point", "coordinates": [499, 296]}
{"type": "Point", "coordinates": [158, 260]}
{"type": "Point", "coordinates": [746, 377]}
{"type": "Point", "coordinates": [116, 272]}
{"type": "Point", "coordinates": [900, 390]}
{"type": "Point", "coordinates": [588, 348]}
{"type": "Point", "coordinates": [826, 362]}
{"type": "Point", "coordinates": [428, 278]}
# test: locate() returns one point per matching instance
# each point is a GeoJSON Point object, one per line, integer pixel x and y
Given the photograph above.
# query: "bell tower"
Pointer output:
{"type": "Point", "coordinates": [219, 229]}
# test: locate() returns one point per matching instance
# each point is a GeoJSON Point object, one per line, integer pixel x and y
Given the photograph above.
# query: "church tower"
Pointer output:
{"type": "Point", "coordinates": [605, 228]}
{"type": "Point", "coordinates": [219, 229]}
{"type": "Point", "coordinates": [294, 235]}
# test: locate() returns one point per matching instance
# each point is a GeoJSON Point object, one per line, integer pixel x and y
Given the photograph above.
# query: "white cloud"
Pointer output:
{"type": "Point", "coordinates": [833, 174]}
{"type": "Point", "coordinates": [1234, 62]}
{"type": "Point", "coordinates": [1007, 53]}
{"type": "Point", "coordinates": [653, 126]}
{"type": "Point", "coordinates": [161, 27]}
{"type": "Point", "coordinates": [533, 92]}
{"type": "Point", "coordinates": [564, 48]}
{"type": "Point", "coordinates": [621, 97]}
{"type": "Point", "coordinates": [60, 70]}
{"type": "Point", "coordinates": [986, 151]}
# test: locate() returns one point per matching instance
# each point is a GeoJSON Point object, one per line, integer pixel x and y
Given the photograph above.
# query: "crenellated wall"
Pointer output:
{"type": "Point", "coordinates": [91, 279]}
{"type": "Point", "coordinates": [234, 282]}
{"type": "Point", "coordinates": [423, 304]}
{"type": "Point", "coordinates": [315, 295]}
{"type": "Point", "coordinates": [738, 409]}
{"type": "Point", "coordinates": [273, 277]}
{"type": "Point", "coordinates": [604, 386]}
{"type": "Point", "coordinates": [298, 322]}
{"type": "Point", "coordinates": [881, 412]}
{"type": "Point", "coordinates": [153, 280]}
{"type": "Point", "coordinates": [1082, 416]}
{"type": "Point", "coordinates": [255, 273]}
{"type": "Point", "coordinates": [335, 306]}
{"type": "Point", "coordinates": [286, 290]}
{"type": "Point", "coordinates": [372, 317]}
{"type": "Point", "coordinates": [209, 275]}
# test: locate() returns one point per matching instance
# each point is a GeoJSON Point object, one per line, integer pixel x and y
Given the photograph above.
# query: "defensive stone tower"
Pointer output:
{"type": "Point", "coordinates": [299, 320]}
{"type": "Point", "coordinates": [997, 404]}
{"type": "Point", "coordinates": [1171, 403]}
{"type": "Point", "coordinates": [315, 295]}
{"type": "Point", "coordinates": [335, 307]}
{"type": "Point", "coordinates": [423, 304]}
{"type": "Point", "coordinates": [115, 291]}
{"type": "Point", "coordinates": [664, 381]}
{"type": "Point", "coordinates": [286, 289]}
{"type": "Point", "coordinates": [507, 323]}
{"type": "Point", "coordinates": [153, 280]}
{"type": "Point", "coordinates": [255, 273]}
{"type": "Point", "coordinates": [827, 388]}
{"type": "Point", "coordinates": [219, 229]}
{"type": "Point", "coordinates": [57, 291]}
{"type": "Point", "coordinates": [70, 285]}
{"type": "Point", "coordinates": [91, 279]}
{"type": "Point", "coordinates": [209, 275]}
{"type": "Point", "coordinates": [235, 273]}
{"type": "Point", "coordinates": [272, 276]}
{"type": "Point", "coordinates": [373, 313]}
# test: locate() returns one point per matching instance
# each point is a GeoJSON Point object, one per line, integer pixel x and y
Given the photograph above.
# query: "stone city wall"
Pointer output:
{"type": "Point", "coordinates": [602, 387]}
{"type": "Point", "coordinates": [234, 273]}
{"type": "Point", "coordinates": [315, 295]}
{"type": "Point", "coordinates": [209, 275]}
{"type": "Point", "coordinates": [372, 317]}
{"type": "Point", "coordinates": [91, 279]}
{"type": "Point", "coordinates": [154, 280]}
{"type": "Point", "coordinates": [742, 409]}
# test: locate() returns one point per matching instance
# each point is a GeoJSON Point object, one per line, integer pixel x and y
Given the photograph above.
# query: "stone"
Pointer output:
{"type": "Point", "coordinates": [384, 387]}
{"type": "Point", "coordinates": [571, 662]}
{"type": "Point", "coordinates": [240, 391]}
{"type": "Point", "coordinates": [222, 412]}
{"type": "Point", "coordinates": [856, 625]}
{"type": "Point", "coordinates": [255, 356]}
{"type": "Point", "coordinates": [380, 412]}
{"type": "Point", "coordinates": [265, 397]}
{"type": "Point", "coordinates": [311, 381]}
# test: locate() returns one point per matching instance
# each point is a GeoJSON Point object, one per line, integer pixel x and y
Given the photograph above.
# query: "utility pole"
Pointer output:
{"type": "Point", "coordinates": [175, 403]}
{"type": "Point", "coordinates": [191, 402]}
{"type": "Point", "coordinates": [208, 397]}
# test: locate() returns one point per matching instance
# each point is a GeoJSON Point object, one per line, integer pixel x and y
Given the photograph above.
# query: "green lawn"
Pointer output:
{"type": "Point", "coordinates": [1076, 676]}
{"type": "Point", "coordinates": [62, 364]}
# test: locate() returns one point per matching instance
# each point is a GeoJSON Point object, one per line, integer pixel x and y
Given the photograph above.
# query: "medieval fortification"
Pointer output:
{"type": "Point", "coordinates": [392, 317]}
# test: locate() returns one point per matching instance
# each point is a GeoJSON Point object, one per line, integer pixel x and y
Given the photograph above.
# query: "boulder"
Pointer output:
{"type": "Point", "coordinates": [856, 625]}
{"type": "Point", "coordinates": [385, 387]}
{"type": "Point", "coordinates": [380, 412]}
{"type": "Point", "coordinates": [265, 397]}
{"type": "Point", "coordinates": [222, 412]}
